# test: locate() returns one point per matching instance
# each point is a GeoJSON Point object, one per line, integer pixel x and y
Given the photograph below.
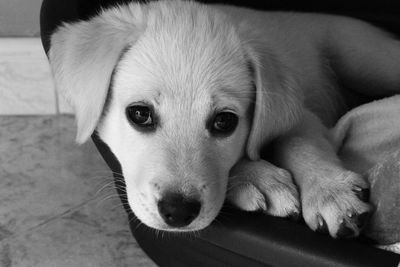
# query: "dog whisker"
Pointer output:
{"type": "Point", "coordinates": [134, 219]}
{"type": "Point", "coordinates": [106, 172]}
{"type": "Point", "coordinates": [107, 198]}
{"type": "Point", "coordinates": [106, 186]}
{"type": "Point", "coordinates": [120, 188]}
{"type": "Point", "coordinates": [122, 204]}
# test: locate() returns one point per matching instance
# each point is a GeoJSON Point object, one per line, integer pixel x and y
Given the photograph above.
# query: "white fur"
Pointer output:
{"type": "Point", "coordinates": [187, 59]}
{"type": "Point", "coordinates": [83, 56]}
{"type": "Point", "coordinates": [181, 71]}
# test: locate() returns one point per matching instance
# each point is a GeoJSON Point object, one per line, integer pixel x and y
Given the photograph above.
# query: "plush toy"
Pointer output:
{"type": "Point", "coordinates": [368, 141]}
{"type": "Point", "coordinates": [384, 225]}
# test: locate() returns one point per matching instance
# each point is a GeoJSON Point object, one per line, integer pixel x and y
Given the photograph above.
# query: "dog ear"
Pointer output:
{"type": "Point", "coordinates": [83, 56]}
{"type": "Point", "coordinates": [277, 105]}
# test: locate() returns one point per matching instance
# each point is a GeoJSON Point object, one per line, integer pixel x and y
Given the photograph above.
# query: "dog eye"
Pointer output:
{"type": "Point", "coordinates": [224, 123]}
{"type": "Point", "coordinates": [140, 115]}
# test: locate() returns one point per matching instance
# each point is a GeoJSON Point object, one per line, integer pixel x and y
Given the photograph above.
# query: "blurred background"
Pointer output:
{"type": "Point", "coordinates": [58, 206]}
{"type": "Point", "coordinates": [19, 18]}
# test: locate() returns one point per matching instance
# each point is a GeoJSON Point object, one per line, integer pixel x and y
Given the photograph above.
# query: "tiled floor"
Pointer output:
{"type": "Point", "coordinates": [51, 210]}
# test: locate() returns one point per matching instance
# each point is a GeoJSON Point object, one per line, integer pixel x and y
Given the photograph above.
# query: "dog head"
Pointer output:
{"type": "Point", "coordinates": [186, 99]}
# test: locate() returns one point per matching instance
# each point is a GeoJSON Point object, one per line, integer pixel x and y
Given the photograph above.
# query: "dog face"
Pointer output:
{"type": "Point", "coordinates": [178, 120]}
{"type": "Point", "coordinates": [179, 108]}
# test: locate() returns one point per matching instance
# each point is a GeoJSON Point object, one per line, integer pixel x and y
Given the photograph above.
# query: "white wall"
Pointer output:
{"type": "Point", "coordinates": [19, 17]}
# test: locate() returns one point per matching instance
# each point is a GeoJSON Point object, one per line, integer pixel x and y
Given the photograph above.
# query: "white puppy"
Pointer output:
{"type": "Point", "coordinates": [186, 95]}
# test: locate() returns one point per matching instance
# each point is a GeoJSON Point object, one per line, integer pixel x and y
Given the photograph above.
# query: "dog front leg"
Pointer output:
{"type": "Point", "coordinates": [259, 185]}
{"type": "Point", "coordinates": [333, 199]}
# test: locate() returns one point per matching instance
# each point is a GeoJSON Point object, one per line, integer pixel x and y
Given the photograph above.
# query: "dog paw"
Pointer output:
{"type": "Point", "coordinates": [337, 206]}
{"type": "Point", "coordinates": [259, 185]}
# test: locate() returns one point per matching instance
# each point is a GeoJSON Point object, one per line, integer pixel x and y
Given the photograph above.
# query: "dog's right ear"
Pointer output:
{"type": "Point", "coordinates": [277, 102]}
{"type": "Point", "coordinates": [83, 56]}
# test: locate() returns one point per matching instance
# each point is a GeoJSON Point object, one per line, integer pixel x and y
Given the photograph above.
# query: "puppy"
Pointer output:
{"type": "Point", "coordinates": [187, 95]}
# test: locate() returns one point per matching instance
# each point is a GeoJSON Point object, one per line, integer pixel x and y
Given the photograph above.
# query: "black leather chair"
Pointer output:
{"type": "Point", "coordinates": [238, 238]}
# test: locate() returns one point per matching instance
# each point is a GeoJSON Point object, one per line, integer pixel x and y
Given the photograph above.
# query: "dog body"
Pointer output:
{"type": "Point", "coordinates": [186, 95]}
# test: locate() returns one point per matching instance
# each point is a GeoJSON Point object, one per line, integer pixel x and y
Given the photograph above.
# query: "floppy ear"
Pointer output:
{"type": "Point", "coordinates": [83, 56]}
{"type": "Point", "coordinates": [277, 106]}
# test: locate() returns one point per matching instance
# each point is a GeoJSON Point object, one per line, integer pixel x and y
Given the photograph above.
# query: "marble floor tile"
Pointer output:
{"type": "Point", "coordinates": [52, 211]}
{"type": "Point", "coordinates": [26, 86]}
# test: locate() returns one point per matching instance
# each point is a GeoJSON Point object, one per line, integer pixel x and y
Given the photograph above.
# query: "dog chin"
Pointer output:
{"type": "Point", "coordinates": [155, 222]}
{"type": "Point", "coordinates": [195, 226]}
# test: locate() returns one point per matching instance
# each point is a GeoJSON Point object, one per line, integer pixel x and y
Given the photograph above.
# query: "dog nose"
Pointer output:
{"type": "Point", "coordinates": [178, 211]}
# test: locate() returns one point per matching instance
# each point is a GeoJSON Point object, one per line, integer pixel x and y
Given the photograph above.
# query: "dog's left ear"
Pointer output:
{"type": "Point", "coordinates": [277, 106]}
{"type": "Point", "coordinates": [83, 56]}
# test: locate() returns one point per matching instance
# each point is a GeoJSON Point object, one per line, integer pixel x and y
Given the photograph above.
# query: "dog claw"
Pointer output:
{"type": "Point", "coordinates": [294, 216]}
{"type": "Point", "coordinates": [344, 231]}
{"type": "Point", "coordinates": [322, 226]}
{"type": "Point", "coordinates": [350, 214]}
{"type": "Point", "coordinates": [362, 193]}
{"type": "Point", "coordinates": [362, 219]}
{"type": "Point", "coordinates": [342, 210]}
